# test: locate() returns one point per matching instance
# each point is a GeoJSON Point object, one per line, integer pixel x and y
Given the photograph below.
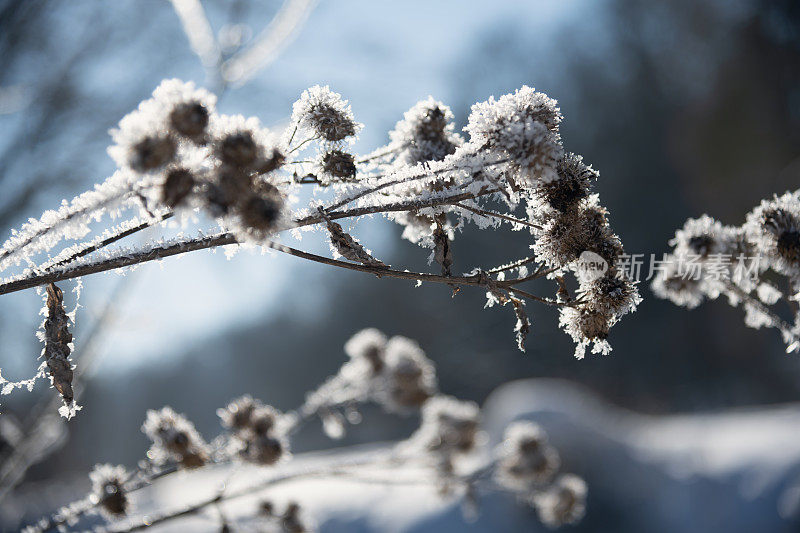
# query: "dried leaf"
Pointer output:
{"type": "Point", "coordinates": [56, 347]}
{"type": "Point", "coordinates": [349, 248]}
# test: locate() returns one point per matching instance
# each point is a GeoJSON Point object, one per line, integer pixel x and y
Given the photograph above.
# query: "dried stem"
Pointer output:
{"type": "Point", "coordinates": [490, 214]}
{"type": "Point", "coordinates": [162, 251]}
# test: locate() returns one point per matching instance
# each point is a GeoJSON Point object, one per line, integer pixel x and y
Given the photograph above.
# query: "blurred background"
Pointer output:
{"type": "Point", "coordinates": [684, 106]}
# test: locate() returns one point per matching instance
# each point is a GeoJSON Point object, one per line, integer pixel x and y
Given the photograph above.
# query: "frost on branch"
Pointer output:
{"type": "Point", "coordinates": [447, 452]}
{"type": "Point", "coordinates": [527, 461]}
{"type": "Point", "coordinates": [108, 489]}
{"type": "Point", "coordinates": [709, 260]}
{"type": "Point", "coordinates": [174, 438]}
{"type": "Point", "coordinates": [179, 157]}
{"type": "Point", "coordinates": [257, 435]}
{"type": "Point", "coordinates": [325, 114]}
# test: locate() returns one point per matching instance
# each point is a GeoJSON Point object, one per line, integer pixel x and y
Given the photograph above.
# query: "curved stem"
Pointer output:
{"type": "Point", "coordinates": [110, 240]}
{"type": "Point", "coordinates": [493, 214]}
{"type": "Point", "coordinates": [162, 251]}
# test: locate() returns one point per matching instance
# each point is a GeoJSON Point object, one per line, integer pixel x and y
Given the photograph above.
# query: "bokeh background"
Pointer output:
{"type": "Point", "coordinates": [684, 106]}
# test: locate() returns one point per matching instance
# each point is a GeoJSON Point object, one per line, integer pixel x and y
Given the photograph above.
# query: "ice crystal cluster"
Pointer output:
{"type": "Point", "coordinates": [755, 266]}
{"type": "Point", "coordinates": [394, 372]}
{"type": "Point", "coordinates": [178, 157]}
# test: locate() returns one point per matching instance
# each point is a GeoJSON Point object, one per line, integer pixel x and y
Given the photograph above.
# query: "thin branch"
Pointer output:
{"type": "Point", "coordinates": [270, 42]}
{"type": "Point", "coordinates": [777, 322]}
{"type": "Point", "coordinates": [198, 30]}
{"type": "Point", "coordinates": [342, 470]}
{"type": "Point", "coordinates": [112, 263]}
{"type": "Point", "coordinates": [408, 205]}
{"type": "Point", "coordinates": [516, 264]}
{"type": "Point", "coordinates": [110, 240]}
{"type": "Point", "coordinates": [426, 174]}
{"type": "Point", "coordinates": [476, 280]}
{"type": "Point", "coordinates": [380, 154]}
{"type": "Point", "coordinates": [489, 214]}
{"type": "Point", "coordinates": [82, 211]}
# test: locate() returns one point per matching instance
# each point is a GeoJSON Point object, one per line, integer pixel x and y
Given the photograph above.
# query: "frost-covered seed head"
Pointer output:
{"type": "Point", "coordinates": [572, 185]}
{"type": "Point", "coordinates": [108, 489]}
{"type": "Point", "coordinates": [189, 119]}
{"type": "Point", "coordinates": [410, 378]}
{"type": "Point", "coordinates": [177, 186]}
{"type": "Point", "coordinates": [145, 139]}
{"type": "Point", "coordinates": [174, 437]}
{"type": "Point", "coordinates": [587, 326]}
{"type": "Point", "coordinates": [237, 183]}
{"type": "Point", "coordinates": [522, 126]}
{"type": "Point", "coordinates": [774, 229]}
{"type": "Point", "coordinates": [238, 149]}
{"type": "Point", "coordinates": [612, 293]}
{"type": "Point", "coordinates": [262, 450]}
{"type": "Point", "coordinates": [563, 237]}
{"type": "Point", "coordinates": [789, 246]}
{"type": "Point", "coordinates": [432, 123]}
{"type": "Point", "coordinates": [258, 440]}
{"type": "Point", "coordinates": [217, 200]}
{"type": "Point", "coordinates": [325, 114]}
{"type": "Point", "coordinates": [425, 133]}
{"type": "Point", "coordinates": [593, 324]}
{"type": "Point", "coordinates": [291, 521]}
{"type": "Point", "coordinates": [563, 503]}
{"type": "Point", "coordinates": [368, 344]}
{"type": "Point", "coordinates": [237, 414]}
{"type": "Point", "coordinates": [338, 164]}
{"type": "Point", "coordinates": [449, 426]}
{"type": "Point", "coordinates": [263, 419]}
{"type": "Point", "coordinates": [677, 287]}
{"type": "Point", "coordinates": [243, 145]}
{"type": "Point", "coordinates": [704, 237]}
{"type": "Point", "coordinates": [152, 153]}
{"type": "Point", "coordinates": [262, 212]}
{"type": "Point", "coordinates": [527, 460]}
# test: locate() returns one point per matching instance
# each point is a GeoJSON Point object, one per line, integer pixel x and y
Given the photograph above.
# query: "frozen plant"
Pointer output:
{"type": "Point", "coordinates": [179, 158]}
{"type": "Point", "coordinates": [755, 265]}
{"type": "Point", "coordinates": [447, 451]}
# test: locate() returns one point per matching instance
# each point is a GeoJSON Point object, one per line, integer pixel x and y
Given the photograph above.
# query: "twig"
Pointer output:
{"type": "Point", "coordinates": [160, 252]}
{"type": "Point", "coordinates": [341, 470]}
{"type": "Point", "coordinates": [110, 240]}
{"type": "Point", "coordinates": [150, 254]}
{"type": "Point", "coordinates": [488, 214]}
{"type": "Point", "coordinates": [777, 321]}
{"type": "Point", "coordinates": [426, 174]}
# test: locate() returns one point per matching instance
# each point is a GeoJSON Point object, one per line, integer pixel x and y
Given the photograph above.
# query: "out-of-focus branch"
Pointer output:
{"type": "Point", "coordinates": [269, 43]}
{"type": "Point", "coordinates": [198, 31]}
